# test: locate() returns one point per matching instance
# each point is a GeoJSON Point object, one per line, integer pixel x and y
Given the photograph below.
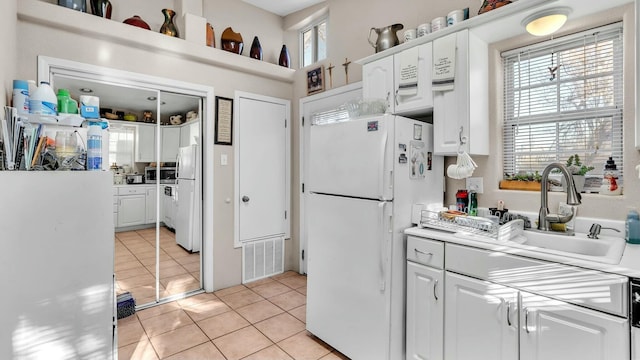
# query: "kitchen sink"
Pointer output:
{"type": "Point", "coordinates": [605, 249]}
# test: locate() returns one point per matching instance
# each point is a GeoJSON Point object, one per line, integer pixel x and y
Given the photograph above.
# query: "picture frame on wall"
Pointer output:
{"type": "Point", "coordinates": [223, 121]}
{"type": "Point", "coordinates": [315, 80]}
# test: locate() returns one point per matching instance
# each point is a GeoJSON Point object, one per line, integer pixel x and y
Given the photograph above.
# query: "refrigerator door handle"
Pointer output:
{"type": "Point", "coordinates": [382, 172]}
{"type": "Point", "coordinates": [383, 246]}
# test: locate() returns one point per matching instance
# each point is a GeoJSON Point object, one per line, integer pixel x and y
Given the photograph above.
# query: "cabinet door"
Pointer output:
{"type": "Point", "coordinates": [131, 210]}
{"type": "Point", "coordinates": [151, 205]}
{"type": "Point", "coordinates": [418, 99]}
{"type": "Point", "coordinates": [145, 143]}
{"type": "Point", "coordinates": [170, 144]}
{"type": "Point", "coordinates": [189, 133]}
{"type": "Point", "coordinates": [425, 312]}
{"type": "Point", "coordinates": [377, 81]}
{"type": "Point", "coordinates": [482, 320]}
{"type": "Point", "coordinates": [552, 329]}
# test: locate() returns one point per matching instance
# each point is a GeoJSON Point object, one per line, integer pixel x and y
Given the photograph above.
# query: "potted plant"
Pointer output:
{"type": "Point", "coordinates": [521, 181]}
{"type": "Point", "coordinates": [578, 170]}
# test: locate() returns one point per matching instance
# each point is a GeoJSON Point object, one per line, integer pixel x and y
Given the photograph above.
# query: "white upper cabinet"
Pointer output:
{"type": "Point", "coordinates": [145, 148]}
{"type": "Point", "coordinates": [462, 114]}
{"type": "Point", "coordinates": [170, 143]}
{"type": "Point", "coordinates": [403, 79]}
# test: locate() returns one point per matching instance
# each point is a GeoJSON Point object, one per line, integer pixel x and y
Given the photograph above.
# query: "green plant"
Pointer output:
{"type": "Point", "coordinates": [524, 176]}
{"type": "Point", "coordinates": [576, 167]}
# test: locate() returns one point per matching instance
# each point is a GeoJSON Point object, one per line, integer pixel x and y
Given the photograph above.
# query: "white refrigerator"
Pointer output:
{"type": "Point", "coordinates": [187, 219]}
{"type": "Point", "coordinates": [364, 176]}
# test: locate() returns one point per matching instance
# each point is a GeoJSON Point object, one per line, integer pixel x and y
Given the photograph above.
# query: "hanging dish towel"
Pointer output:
{"type": "Point", "coordinates": [408, 84]}
{"type": "Point", "coordinates": [444, 63]}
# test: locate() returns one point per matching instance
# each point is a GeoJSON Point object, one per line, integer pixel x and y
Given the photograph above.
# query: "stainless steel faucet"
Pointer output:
{"type": "Point", "coordinates": [573, 198]}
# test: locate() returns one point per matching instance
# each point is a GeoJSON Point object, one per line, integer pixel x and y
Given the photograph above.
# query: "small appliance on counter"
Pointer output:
{"type": "Point", "coordinates": [167, 175]}
{"type": "Point", "coordinates": [134, 179]}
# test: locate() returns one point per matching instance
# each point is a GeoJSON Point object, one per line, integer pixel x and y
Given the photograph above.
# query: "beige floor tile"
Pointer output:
{"type": "Point", "coordinates": [294, 282]}
{"type": "Point", "coordinates": [241, 298]}
{"type": "Point", "coordinates": [253, 284]}
{"type": "Point", "coordinates": [197, 299]}
{"type": "Point", "coordinates": [280, 327]}
{"type": "Point", "coordinates": [192, 258]}
{"type": "Point", "coordinates": [289, 300]}
{"type": "Point", "coordinates": [259, 311]}
{"type": "Point", "coordinates": [273, 352]}
{"type": "Point", "coordinates": [192, 267]}
{"type": "Point", "coordinates": [137, 351]}
{"type": "Point", "coordinates": [206, 351]}
{"type": "Point", "coordinates": [119, 259]}
{"type": "Point", "coordinates": [129, 319]}
{"type": "Point", "coordinates": [132, 282]}
{"type": "Point", "coordinates": [222, 324]}
{"type": "Point", "coordinates": [166, 322]}
{"type": "Point", "coordinates": [302, 290]}
{"type": "Point", "coordinates": [175, 279]}
{"type": "Point", "coordinates": [229, 290]}
{"type": "Point", "coordinates": [271, 289]}
{"type": "Point", "coordinates": [127, 265]}
{"type": "Point", "coordinates": [178, 340]}
{"type": "Point", "coordinates": [158, 310]}
{"type": "Point", "coordinates": [241, 343]}
{"type": "Point", "coordinates": [130, 333]}
{"type": "Point", "coordinates": [304, 346]}
{"type": "Point", "coordinates": [206, 309]}
{"type": "Point", "coordinates": [284, 275]}
{"type": "Point", "coordinates": [335, 355]}
{"type": "Point", "coordinates": [300, 313]}
{"type": "Point", "coordinates": [134, 272]}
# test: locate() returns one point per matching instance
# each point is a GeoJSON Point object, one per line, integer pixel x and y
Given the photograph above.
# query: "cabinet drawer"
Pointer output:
{"type": "Point", "coordinates": [425, 251]}
{"type": "Point", "coordinates": [132, 190]}
{"type": "Point", "coordinates": [590, 288]}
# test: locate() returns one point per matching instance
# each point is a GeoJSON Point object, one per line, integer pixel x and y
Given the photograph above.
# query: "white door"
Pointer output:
{"type": "Point", "coordinates": [377, 81]}
{"type": "Point", "coordinates": [425, 312]}
{"type": "Point", "coordinates": [309, 107]}
{"type": "Point", "coordinates": [482, 320]}
{"type": "Point", "coordinates": [348, 290]}
{"type": "Point", "coordinates": [353, 158]}
{"type": "Point", "coordinates": [554, 330]}
{"type": "Point", "coordinates": [262, 150]}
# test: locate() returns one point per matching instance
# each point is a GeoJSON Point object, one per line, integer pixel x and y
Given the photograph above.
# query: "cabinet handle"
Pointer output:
{"type": "Point", "coordinates": [422, 252]}
{"type": "Point", "coordinates": [526, 320]}
{"type": "Point", "coordinates": [387, 99]}
{"type": "Point", "coordinates": [509, 313]}
{"type": "Point", "coordinates": [435, 289]}
{"type": "Point", "coordinates": [396, 97]}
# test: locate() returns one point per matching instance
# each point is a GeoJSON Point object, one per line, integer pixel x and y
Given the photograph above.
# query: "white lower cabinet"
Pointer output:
{"type": "Point", "coordinates": [480, 320]}
{"type": "Point", "coordinates": [131, 210]}
{"type": "Point", "coordinates": [151, 206]}
{"type": "Point", "coordinates": [425, 310]}
{"type": "Point", "coordinates": [552, 329]}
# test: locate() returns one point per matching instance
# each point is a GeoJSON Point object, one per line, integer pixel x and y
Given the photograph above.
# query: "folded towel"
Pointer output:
{"type": "Point", "coordinates": [444, 63]}
{"type": "Point", "coordinates": [408, 84]}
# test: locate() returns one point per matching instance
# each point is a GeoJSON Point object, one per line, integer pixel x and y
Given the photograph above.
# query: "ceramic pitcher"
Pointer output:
{"type": "Point", "coordinates": [387, 37]}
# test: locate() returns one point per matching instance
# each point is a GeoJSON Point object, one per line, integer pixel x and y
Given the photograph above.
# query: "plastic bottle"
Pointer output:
{"type": "Point", "coordinates": [43, 101]}
{"type": "Point", "coordinates": [473, 203]}
{"type": "Point", "coordinates": [21, 96]}
{"type": "Point", "coordinates": [632, 227]}
{"type": "Point", "coordinates": [94, 147]}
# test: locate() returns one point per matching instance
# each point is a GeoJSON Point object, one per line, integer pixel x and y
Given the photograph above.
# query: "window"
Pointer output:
{"type": "Point", "coordinates": [121, 145]}
{"type": "Point", "coordinates": [564, 97]}
{"type": "Point", "coordinates": [314, 43]}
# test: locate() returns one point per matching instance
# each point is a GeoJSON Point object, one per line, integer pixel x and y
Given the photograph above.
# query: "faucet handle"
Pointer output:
{"type": "Point", "coordinates": [594, 231]}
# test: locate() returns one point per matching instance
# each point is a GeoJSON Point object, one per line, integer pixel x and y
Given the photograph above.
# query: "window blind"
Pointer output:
{"type": "Point", "coordinates": [564, 97]}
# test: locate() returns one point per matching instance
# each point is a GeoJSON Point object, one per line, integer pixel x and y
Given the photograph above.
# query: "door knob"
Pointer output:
{"type": "Point", "coordinates": [245, 199]}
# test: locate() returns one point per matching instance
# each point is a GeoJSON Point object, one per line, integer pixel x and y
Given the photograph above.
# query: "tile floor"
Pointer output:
{"type": "Point", "coordinates": [262, 320]}
{"type": "Point", "coordinates": [135, 265]}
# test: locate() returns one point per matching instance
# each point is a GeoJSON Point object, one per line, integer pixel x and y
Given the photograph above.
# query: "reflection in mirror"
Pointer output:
{"type": "Point", "coordinates": [151, 209]}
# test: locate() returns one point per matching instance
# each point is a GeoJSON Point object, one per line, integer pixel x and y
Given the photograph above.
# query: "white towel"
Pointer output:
{"type": "Point", "coordinates": [444, 63]}
{"type": "Point", "coordinates": [408, 84]}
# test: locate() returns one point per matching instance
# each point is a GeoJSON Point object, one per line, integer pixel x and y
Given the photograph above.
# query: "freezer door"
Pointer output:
{"type": "Point", "coordinates": [187, 160]}
{"type": "Point", "coordinates": [185, 213]}
{"type": "Point", "coordinates": [353, 158]}
{"type": "Point", "coordinates": [348, 290]}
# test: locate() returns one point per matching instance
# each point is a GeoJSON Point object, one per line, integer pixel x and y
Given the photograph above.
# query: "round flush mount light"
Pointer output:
{"type": "Point", "coordinates": [152, 98]}
{"type": "Point", "coordinates": [546, 22]}
{"type": "Point", "coordinates": [86, 90]}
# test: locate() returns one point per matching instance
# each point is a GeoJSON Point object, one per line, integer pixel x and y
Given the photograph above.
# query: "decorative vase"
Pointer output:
{"type": "Point", "coordinates": [211, 37]}
{"type": "Point", "coordinates": [284, 59]}
{"type": "Point", "coordinates": [169, 28]}
{"type": "Point", "coordinates": [79, 5]}
{"type": "Point", "coordinates": [256, 49]}
{"type": "Point", "coordinates": [101, 8]}
{"type": "Point", "coordinates": [136, 20]}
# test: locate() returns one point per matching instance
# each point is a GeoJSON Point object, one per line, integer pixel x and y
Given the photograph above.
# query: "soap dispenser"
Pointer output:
{"type": "Point", "coordinates": [632, 227]}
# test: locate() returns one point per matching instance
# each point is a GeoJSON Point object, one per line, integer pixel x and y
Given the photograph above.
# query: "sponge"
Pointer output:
{"type": "Point", "coordinates": [558, 227]}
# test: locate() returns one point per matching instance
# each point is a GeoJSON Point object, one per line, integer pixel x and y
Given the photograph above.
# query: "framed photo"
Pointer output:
{"type": "Point", "coordinates": [224, 121]}
{"type": "Point", "coordinates": [315, 80]}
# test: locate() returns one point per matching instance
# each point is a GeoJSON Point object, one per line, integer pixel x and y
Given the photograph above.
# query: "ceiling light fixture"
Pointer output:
{"type": "Point", "coordinates": [86, 90]}
{"type": "Point", "coordinates": [152, 98]}
{"type": "Point", "coordinates": [546, 22]}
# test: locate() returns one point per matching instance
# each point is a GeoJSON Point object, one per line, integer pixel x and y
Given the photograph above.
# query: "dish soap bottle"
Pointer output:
{"type": "Point", "coordinates": [632, 228]}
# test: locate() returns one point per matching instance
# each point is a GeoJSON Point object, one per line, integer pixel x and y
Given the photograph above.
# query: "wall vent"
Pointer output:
{"type": "Point", "coordinates": [262, 258]}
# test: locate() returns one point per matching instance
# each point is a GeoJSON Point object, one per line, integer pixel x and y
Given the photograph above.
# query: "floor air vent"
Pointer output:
{"type": "Point", "coordinates": [262, 258]}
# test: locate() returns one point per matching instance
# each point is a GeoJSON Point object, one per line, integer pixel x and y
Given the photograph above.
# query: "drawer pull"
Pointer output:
{"type": "Point", "coordinates": [422, 252]}
{"type": "Point", "coordinates": [435, 289]}
{"type": "Point", "coordinates": [526, 320]}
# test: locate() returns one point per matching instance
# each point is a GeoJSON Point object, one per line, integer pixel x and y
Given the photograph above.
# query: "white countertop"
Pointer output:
{"type": "Point", "coordinates": [628, 266]}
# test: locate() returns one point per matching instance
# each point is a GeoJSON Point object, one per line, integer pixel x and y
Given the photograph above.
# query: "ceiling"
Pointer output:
{"type": "Point", "coordinates": [126, 98]}
{"type": "Point", "coordinates": [283, 7]}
